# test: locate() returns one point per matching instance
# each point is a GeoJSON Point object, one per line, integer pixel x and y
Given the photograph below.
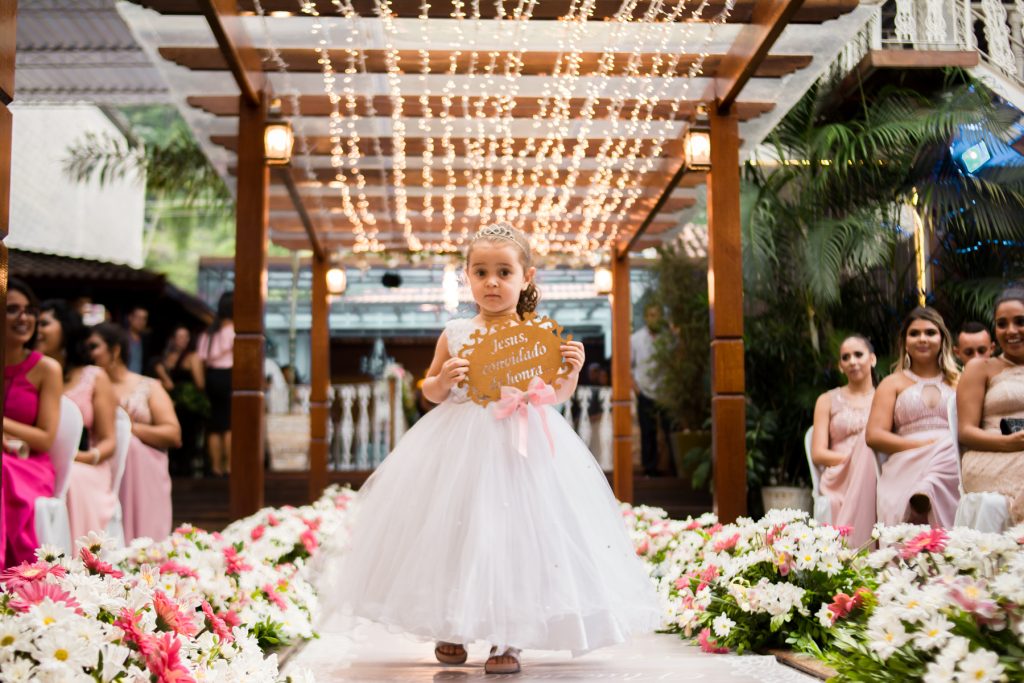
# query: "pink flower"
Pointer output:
{"type": "Point", "coordinates": [643, 547]}
{"type": "Point", "coordinates": [933, 540]}
{"type": "Point", "coordinates": [30, 572]}
{"type": "Point", "coordinates": [32, 593]}
{"type": "Point", "coordinates": [272, 595]}
{"type": "Point", "coordinates": [707, 576]}
{"type": "Point", "coordinates": [708, 644]}
{"type": "Point", "coordinates": [128, 622]}
{"type": "Point", "coordinates": [164, 660]}
{"type": "Point", "coordinates": [97, 566]}
{"type": "Point", "coordinates": [973, 598]}
{"type": "Point", "coordinates": [843, 604]}
{"type": "Point", "coordinates": [785, 563]}
{"type": "Point", "coordinates": [230, 618]}
{"type": "Point", "coordinates": [236, 564]}
{"type": "Point", "coordinates": [727, 543]}
{"type": "Point", "coordinates": [170, 618]}
{"type": "Point", "coordinates": [844, 530]}
{"type": "Point", "coordinates": [272, 520]}
{"type": "Point", "coordinates": [309, 542]}
{"type": "Point", "coordinates": [217, 624]}
{"type": "Point", "coordinates": [774, 533]}
{"type": "Point", "coordinates": [693, 525]}
{"type": "Point", "coordinates": [715, 529]}
{"type": "Point", "coordinates": [257, 532]}
{"type": "Point", "coordinates": [172, 567]}
{"type": "Point", "coordinates": [311, 524]}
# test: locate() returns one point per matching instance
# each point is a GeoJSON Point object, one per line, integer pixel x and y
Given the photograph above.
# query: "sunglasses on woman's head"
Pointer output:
{"type": "Point", "coordinates": [14, 310]}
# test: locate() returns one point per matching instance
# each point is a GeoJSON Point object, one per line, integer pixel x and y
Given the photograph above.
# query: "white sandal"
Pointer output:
{"type": "Point", "coordinates": [454, 658]}
{"type": "Point", "coordinates": [494, 666]}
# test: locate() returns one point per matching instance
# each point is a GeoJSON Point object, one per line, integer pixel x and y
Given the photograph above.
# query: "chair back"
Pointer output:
{"type": "Point", "coordinates": [65, 446]}
{"type": "Point", "coordinates": [815, 472]}
{"type": "Point", "coordinates": [123, 430]}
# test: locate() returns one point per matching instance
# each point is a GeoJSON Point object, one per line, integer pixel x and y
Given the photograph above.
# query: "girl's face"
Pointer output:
{"type": "Point", "coordinates": [923, 341]}
{"type": "Point", "coordinates": [50, 340]}
{"type": "Point", "coordinates": [181, 338]}
{"type": "Point", "coordinates": [496, 276]}
{"type": "Point", "coordinates": [856, 360]}
{"type": "Point", "coordinates": [21, 318]}
{"type": "Point", "coordinates": [1010, 329]}
{"type": "Point", "coordinates": [99, 352]}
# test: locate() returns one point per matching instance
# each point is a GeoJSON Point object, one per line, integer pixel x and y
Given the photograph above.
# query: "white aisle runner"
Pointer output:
{"type": "Point", "coordinates": [368, 652]}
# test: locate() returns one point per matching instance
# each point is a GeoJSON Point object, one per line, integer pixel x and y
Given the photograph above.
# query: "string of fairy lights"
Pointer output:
{"type": "Point", "coordinates": [599, 126]}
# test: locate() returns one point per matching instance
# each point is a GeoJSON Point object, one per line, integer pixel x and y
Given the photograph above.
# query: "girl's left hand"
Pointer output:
{"type": "Point", "coordinates": [572, 353]}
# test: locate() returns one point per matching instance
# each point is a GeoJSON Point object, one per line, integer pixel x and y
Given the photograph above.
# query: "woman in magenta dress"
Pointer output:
{"type": "Point", "coordinates": [32, 389]}
{"type": "Point", "coordinates": [919, 482]}
{"type": "Point", "coordinates": [146, 484]}
{"type": "Point", "coordinates": [840, 417]}
{"type": "Point", "coordinates": [91, 498]}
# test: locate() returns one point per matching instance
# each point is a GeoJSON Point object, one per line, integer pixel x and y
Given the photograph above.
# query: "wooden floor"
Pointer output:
{"type": "Point", "coordinates": [204, 502]}
{"type": "Point", "coordinates": [367, 652]}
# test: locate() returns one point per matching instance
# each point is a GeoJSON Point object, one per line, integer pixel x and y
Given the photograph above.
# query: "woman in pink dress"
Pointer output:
{"type": "Point", "coordinates": [992, 389]}
{"type": "Point", "coordinates": [146, 484]}
{"type": "Point", "coordinates": [32, 389]}
{"type": "Point", "coordinates": [837, 443]}
{"type": "Point", "coordinates": [919, 482]}
{"type": "Point", "coordinates": [91, 498]}
{"type": "Point", "coordinates": [216, 350]}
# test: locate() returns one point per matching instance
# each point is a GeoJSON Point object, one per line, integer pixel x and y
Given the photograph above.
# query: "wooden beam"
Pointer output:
{"type": "Point", "coordinates": [522, 107]}
{"type": "Point", "coordinates": [284, 174]}
{"type": "Point", "coordinates": [750, 48]}
{"type": "Point", "coordinates": [319, 379]}
{"type": "Point", "coordinates": [622, 381]}
{"type": "Point", "coordinates": [247, 399]}
{"type": "Point", "coordinates": [725, 297]}
{"type": "Point", "coordinates": [648, 222]}
{"type": "Point", "coordinates": [462, 62]}
{"type": "Point", "coordinates": [236, 47]}
{"type": "Point", "coordinates": [8, 32]}
{"type": "Point", "coordinates": [813, 11]}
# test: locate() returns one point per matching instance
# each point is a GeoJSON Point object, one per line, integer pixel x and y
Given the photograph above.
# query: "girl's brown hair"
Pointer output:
{"type": "Point", "coordinates": [946, 359]}
{"type": "Point", "coordinates": [503, 232]}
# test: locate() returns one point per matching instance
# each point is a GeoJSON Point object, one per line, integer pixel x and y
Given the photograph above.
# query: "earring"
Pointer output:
{"type": "Point", "coordinates": [906, 361]}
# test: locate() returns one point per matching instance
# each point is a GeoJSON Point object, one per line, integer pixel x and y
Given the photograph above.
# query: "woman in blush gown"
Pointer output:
{"type": "Point", "coordinates": [840, 417]}
{"type": "Point", "coordinates": [992, 389]}
{"type": "Point", "coordinates": [919, 481]}
{"type": "Point", "coordinates": [146, 484]}
{"type": "Point", "coordinates": [91, 498]}
{"type": "Point", "coordinates": [32, 388]}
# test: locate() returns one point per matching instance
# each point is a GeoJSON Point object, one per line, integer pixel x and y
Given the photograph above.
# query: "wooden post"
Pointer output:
{"type": "Point", "coordinates": [725, 293]}
{"type": "Point", "coordinates": [622, 380]}
{"type": "Point", "coordinates": [320, 379]}
{"type": "Point", "coordinates": [247, 401]}
{"type": "Point", "coordinates": [8, 11]}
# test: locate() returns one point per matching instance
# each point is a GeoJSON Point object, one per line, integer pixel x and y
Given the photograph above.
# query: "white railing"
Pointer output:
{"type": "Point", "coordinates": [372, 421]}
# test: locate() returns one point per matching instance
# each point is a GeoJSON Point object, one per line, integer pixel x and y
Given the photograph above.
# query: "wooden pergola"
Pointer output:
{"type": "Point", "coordinates": [305, 215]}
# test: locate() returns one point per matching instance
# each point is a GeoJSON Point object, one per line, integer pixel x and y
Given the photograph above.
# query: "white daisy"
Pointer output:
{"type": "Point", "coordinates": [59, 647]}
{"type": "Point", "coordinates": [933, 632]}
{"type": "Point", "coordinates": [980, 666]}
{"type": "Point", "coordinates": [722, 626]}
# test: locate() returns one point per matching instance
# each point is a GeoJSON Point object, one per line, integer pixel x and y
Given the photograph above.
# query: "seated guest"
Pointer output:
{"type": "Point", "coordinates": [974, 341]}
{"type": "Point", "coordinates": [919, 482]}
{"type": "Point", "coordinates": [91, 499]}
{"type": "Point", "coordinates": [837, 443]}
{"type": "Point", "coordinates": [993, 389]}
{"type": "Point", "coordinates": [146, 483]}
{"type": "Point", "coordinates": [32, 389]}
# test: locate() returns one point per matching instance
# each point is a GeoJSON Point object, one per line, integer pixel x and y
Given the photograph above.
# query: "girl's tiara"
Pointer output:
{"type": "Point", "coordinates": [499, 230]}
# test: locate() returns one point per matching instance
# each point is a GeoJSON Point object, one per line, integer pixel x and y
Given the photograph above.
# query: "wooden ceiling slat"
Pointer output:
{"type": "Point", "coordinates": [414, 146]}
{"type": "Point", "coordinates": [431, 230]}
{"type": "Point", "coordinates": [304, 60]}
{"type": "Point", "coordinates": [813, 11]}
{"type": "Point", "coordinates": [460, 204]}
{"type": "Point", "coordinates": [525, 107]}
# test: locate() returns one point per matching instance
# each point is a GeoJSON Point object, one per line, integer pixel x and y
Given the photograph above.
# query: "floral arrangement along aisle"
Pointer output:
{"type": "Point", "coordinates": [196, 606]}
{"type": "Point", "coordinates": [929, 605]}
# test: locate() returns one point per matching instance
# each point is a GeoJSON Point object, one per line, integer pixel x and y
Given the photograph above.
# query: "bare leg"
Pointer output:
{"type": "Point", "coordinates": [215, 446]}
{"type": "Point", "coordinates": [227, 452]}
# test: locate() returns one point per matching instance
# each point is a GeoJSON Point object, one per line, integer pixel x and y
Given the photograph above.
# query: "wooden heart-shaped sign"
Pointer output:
{"type": "Point", "coordinates": [511, 353]}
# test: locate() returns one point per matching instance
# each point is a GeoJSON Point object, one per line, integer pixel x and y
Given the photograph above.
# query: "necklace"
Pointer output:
{"type": "Point", "coordinates": [1010, 362]}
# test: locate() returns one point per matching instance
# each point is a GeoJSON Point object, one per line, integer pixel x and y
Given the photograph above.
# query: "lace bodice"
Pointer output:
{"type": "Point", "coordinates": [458, 332]}
{"type": "Point", "coordinates": [922, 406]}
{"type": "Point", "coordinates": [82, 391]}
{"type": "Point", "coordinates": [847, 420]}
{"type": "Point", "coordinates": [137, 402]}
{"type": "Point", "coordinates": [1004, 397]}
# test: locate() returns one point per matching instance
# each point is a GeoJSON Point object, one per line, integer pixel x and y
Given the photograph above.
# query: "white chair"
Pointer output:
{"type": "Point", "coordinates": [53, 527]}
{"type": "Point", "coordinates": [981, 510]}
{"type": "Point", "coordinates": [822, 504]}
{"type": "Point", "coordinates": [123, 430]}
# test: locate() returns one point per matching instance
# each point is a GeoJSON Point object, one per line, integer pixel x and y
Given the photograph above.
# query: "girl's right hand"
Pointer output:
{"type": "Point", "coordinates": [454, 371]}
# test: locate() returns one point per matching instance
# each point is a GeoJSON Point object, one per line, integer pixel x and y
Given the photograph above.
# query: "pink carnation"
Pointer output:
{"type": "Point", "coordinates": [27, 572]}
{"type": "Point", "coordinates": [727, 543]}
{"type": "Point", "coordinates": [707, 576]}
{"type": "Point", "coordinates": [172, 567]}
{"type": "Point", "coordinates": [643, 547]}
{"type": "Point", "coordinates": [217, 624]}
{"type": "Point", "coordinates": [129, 623]}
{"type": "Point", "coordinates": [236, 564]}
{"type": "Point", "coordinates": [32, 593]}
{"type": "Point", "coordinates": [97, 566]}
{"type": "Point", "coordinates": [693, 525]}
{"type": "Point", "coordinates": [933, 541]}
{"type": "Point", "coordinates": [309, 541]}
{"type": "Point", "coordinates": [708, 644]}
{"type": "Point", "coordinates": [170, 618]}
{"type": "Point", "coordinates": [272, 595]}
{"type": "Point", "coordinates": [164, 660]}
{"type": "Point", "coordinates": [257, 532]}
{"type": "Point", "coordinates": [843, 604]}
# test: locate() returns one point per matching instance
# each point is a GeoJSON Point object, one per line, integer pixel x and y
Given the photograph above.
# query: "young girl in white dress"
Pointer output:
{"type": "Point", "coordinates": [460, 538]}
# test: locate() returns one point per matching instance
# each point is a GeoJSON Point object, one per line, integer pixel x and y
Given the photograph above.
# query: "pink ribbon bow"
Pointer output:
{"type": "Point", "coordinates": [513, 401]}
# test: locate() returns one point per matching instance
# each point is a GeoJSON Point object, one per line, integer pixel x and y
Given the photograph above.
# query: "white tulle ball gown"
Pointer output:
{"type": "Point", "coordinates": [460, 538]}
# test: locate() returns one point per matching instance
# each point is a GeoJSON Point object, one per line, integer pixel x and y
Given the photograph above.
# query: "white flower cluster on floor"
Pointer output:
{"type": "Point", "coordinates": [930, 604]}
{"type": "Point", "coordinates": [194, 607]}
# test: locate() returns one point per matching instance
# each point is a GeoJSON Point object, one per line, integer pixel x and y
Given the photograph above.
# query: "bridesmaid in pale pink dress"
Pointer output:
{"type": "Point", "coordinates": [91, 499]}
{"type": "Point", "coordinates": [993, 389]}
{"type": "Point", "coordinates": [146, 483]}
{"type": "Point", "coordinates": [837, 443]}
{"type": "Point", "coordinates": [32, 389]}
{"type": "Point", "coordinates": [919, 482]}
